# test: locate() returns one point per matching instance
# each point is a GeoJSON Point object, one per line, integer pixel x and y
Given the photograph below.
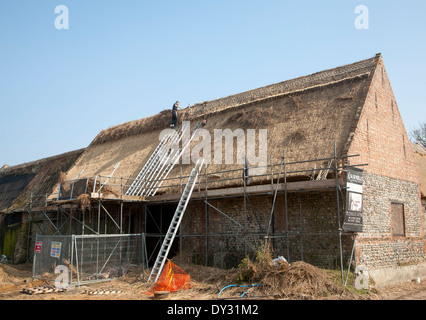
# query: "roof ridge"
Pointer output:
{"type": "Point", "coordinates": [288, 85]}
{"type": "Point", "coordinates": [294, 92]}
{"type": "Point", "coordinates": [303, 83]}
{"type": "Point", "coordinates": [30, 163]}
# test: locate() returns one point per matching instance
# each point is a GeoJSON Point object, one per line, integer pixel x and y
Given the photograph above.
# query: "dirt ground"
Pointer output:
{"type": "Point", "coordinates": [206, 283]}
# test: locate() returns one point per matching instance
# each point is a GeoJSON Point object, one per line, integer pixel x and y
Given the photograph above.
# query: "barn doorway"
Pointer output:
{"type": "Point", "coordinates": [158, 219]}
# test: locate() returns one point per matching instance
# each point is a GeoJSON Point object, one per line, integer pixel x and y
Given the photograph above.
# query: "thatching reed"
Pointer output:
{"type": "Point", "coordinates": [295, 280]}
{"type": "Point", "coordinates": [303, 117]}
{"type": "Point", "coordinates": [277, 278]}
{"type": "Point", "coordinates": [133, 128]}
{"type": "Point", "coordinates": [286, 280]}
{"type": "Point", "coordinates": [84, 202]}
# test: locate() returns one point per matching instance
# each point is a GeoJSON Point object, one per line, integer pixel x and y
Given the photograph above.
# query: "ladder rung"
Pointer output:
{"type": "Point", "coordinates": [174, 224]}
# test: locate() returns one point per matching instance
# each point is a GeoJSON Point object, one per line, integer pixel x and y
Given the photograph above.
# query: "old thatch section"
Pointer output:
{"type": "Point", "coordinates": [303, 116]}
{"type": "Point", "coordinates": [37, 178]}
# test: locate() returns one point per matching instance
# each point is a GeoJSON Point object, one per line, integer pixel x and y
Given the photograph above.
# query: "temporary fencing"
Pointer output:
{"type": "Point", "coordinates": [84, 259]}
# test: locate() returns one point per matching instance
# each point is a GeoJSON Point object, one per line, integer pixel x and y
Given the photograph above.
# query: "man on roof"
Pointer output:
{"type": "Point", "coordinates": [175, 109]}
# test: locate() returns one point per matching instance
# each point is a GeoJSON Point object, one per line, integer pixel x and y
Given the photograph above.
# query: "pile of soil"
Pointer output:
{"type": "Point", "coordinates": [7, 282]}
{"type": "Point", "coordinates": [3, 276]}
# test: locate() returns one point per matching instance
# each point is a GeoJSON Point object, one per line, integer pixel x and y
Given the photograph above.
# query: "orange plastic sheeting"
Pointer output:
{"type": "Point", "coordinates": [172, 279]}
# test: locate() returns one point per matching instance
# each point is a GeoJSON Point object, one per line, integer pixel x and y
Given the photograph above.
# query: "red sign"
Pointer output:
{"type": "Point", "coordinates": [38, 246]}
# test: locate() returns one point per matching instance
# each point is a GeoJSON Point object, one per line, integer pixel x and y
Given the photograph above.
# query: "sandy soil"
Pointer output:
{"type": "Point", "coordinates": [14, 278]}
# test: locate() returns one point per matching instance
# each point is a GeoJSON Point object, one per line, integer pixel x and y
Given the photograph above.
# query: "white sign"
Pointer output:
{"type": "Point", "coordinates": [55, 250]}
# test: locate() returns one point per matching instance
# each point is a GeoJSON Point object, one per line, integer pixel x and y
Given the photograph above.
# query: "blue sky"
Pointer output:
{"type": "Point", "coordinates": [125, 60]}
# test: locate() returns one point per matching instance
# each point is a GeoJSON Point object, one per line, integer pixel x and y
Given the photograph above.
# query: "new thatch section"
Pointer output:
{"type": "Point", "coordinates": [303, 116]}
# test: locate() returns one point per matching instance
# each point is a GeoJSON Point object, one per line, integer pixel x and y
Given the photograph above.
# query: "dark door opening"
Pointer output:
{"type": "Point", "coordinates": [158, 219]}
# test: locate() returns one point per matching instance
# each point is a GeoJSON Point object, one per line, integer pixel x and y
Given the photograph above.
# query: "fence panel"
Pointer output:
{"type": "Point", "coordinates": [104, 257]}
{"type": "Point", "coordinates": [50, 252]}
{"type": "Point", "coordinates": [88, 258]}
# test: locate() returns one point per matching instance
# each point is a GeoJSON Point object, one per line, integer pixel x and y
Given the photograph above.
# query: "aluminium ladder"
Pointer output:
{"type": "Point", "coordinates": [162, 157]}
{"type": "Point", "coordinates": [177, 218]}
{"type": "Point", "coordinates": [160, 164]}
{"type": "Point", "coordinates": [169, 165]}
{"type": "Point", "coordinates": [156, 157]}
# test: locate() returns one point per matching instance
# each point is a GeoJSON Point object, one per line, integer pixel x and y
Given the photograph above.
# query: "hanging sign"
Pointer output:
{"type": "Point", "coordinates": [55, 250]}
{"type": "Point", "coordinates": [353, 215]}
{"type": "Point", "coordinates": [38, 246]}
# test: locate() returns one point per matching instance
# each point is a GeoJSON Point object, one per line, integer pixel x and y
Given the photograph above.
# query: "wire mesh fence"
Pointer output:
{"type": "Point", "coordinates": [81, 259]}
{"type": "Point", "coordinates": [49, 253]}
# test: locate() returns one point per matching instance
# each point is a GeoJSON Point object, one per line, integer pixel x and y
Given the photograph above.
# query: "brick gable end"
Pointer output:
{"type": "Point", "coordinates": [380, 137]}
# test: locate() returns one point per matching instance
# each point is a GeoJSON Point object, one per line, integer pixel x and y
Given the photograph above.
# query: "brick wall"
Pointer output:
{"type": "Point", "coordinates": [424, 223]}
{"type": "Point", "coordinates": [376, 245]}
{"type": "Point", "coordinates": [379, 193]}
{"type": "Point", "coordinates": [391, 176]}
{"type": "Point", "coordinates": [312, 224]}
{"type": "Point", "coordinates": [380, 137]}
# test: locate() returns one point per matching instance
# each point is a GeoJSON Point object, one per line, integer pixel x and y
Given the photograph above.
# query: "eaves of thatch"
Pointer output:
{"type": "Point", "coordinates": [18, 184]}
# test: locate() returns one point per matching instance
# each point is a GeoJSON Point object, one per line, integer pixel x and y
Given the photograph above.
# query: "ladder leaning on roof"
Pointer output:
{"type": "Point", "coordinates": [154, 160]}
{"type": "Point", "coordinates": [169, 164]}
{"type": "Point", "coordinates": [177, 218]}
{"type": "Point", "coordinates": [161, 163]}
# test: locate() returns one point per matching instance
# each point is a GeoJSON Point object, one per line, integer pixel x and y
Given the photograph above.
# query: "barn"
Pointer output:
{"type": "Point", "coordinates": [320, 168]}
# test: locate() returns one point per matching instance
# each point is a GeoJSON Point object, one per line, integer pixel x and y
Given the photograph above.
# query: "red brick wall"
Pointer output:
{"type": "Point", "coordinates": [382, 142]}
{"type": "Point", "coordinates": [380, 137]}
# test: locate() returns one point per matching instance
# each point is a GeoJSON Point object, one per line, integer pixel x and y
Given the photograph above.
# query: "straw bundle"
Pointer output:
{"type": "Point", "coordinates": [295, 280]}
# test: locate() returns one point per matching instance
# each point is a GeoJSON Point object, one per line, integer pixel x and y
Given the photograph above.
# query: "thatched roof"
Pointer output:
{"type": "Point", "coordinates": [38, 178]}
{"type": "Point", "coordinates": [303, 116]}
{"type": "Point", "coordinates": [420, 156]}
{"type": "Point", "coordinates": [319, 81]}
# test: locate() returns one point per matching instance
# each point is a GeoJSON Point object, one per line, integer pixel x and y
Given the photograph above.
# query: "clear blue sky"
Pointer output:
{"type": "Point", "coordinates": [125, 60]}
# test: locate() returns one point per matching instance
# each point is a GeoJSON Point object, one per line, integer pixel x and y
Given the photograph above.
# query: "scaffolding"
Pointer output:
{"type": "Point", "coordinates": [121, 213]}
